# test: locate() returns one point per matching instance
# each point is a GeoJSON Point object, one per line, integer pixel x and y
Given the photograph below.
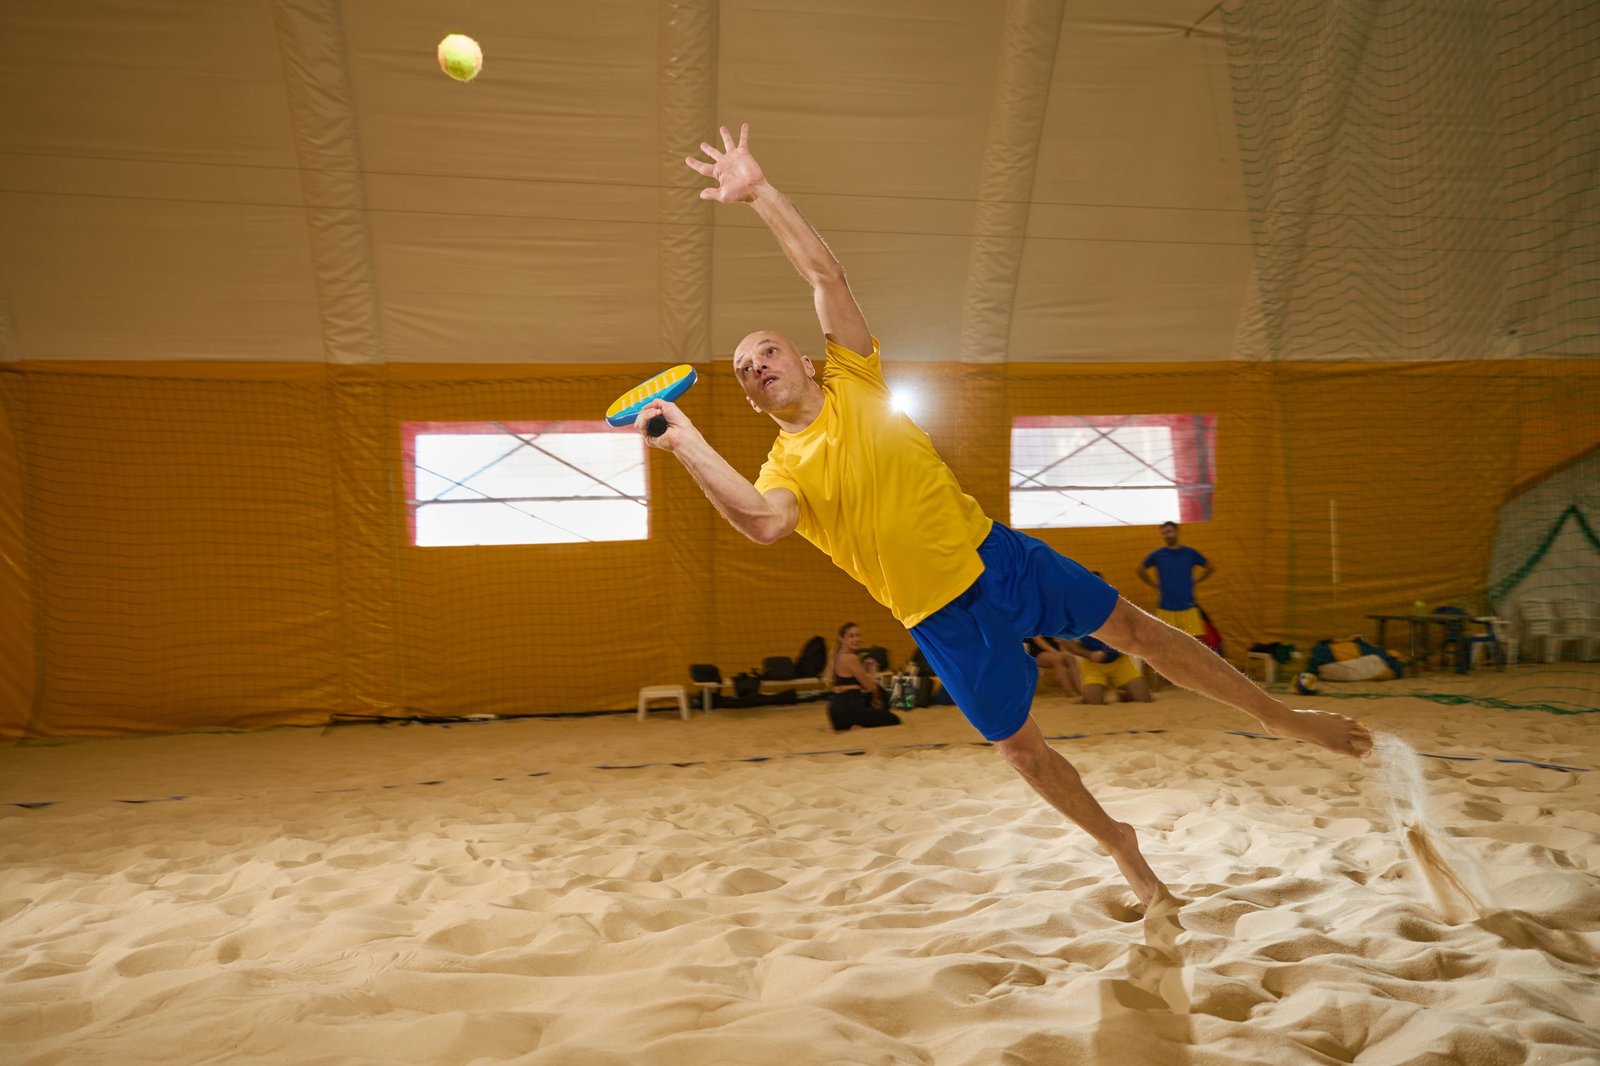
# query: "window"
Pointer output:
{"type": "Point", "coordinates": [1111, 470]}
{"type": "Point", "coordinates": [524, 483]}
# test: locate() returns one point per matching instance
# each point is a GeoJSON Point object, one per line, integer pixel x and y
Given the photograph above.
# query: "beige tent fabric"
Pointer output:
{"type": "Point", "coordinates": [152, 205]}
{"type": "Point", "coordinates": [327, 144]}
{"type": "Point", "coordinates": [296, 179]}
{"type": "Point", "coordinates": [1021, 181]}
{"type": "Point", "coordinates": [687, 43]}
{"type": "Point", "coordinates": [1421, 177]}
{"type": "Point", "coordinates": [1027, 56]}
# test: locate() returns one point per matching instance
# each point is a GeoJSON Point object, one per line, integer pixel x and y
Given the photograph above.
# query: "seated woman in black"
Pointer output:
{"type": "Point", "coordinates": [857, 700]}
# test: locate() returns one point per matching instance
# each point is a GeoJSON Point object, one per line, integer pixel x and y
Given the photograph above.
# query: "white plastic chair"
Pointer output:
{"type": "Point", "coordinates": [1539, 622]}
{"type": "Point", "coordinates": [1503, 635]}
{"type": "Point", "coordinates": [1580, 625]}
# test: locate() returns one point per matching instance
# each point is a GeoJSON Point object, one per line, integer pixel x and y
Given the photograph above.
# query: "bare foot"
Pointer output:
{"type": "Point", "coordinates": [1326, 729]}
{"type": "Point", "coordinates": [1130, 860]}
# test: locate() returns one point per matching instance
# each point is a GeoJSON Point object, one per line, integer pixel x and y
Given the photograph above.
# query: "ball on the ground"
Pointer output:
{"type": "Point", "coordinates": [1307, 684]}
{"type": "Point", "coordinates": [460, 57]}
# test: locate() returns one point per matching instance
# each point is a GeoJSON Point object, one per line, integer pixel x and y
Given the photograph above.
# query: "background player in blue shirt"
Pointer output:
{"type": "Point", "coordinates": [1175, 579]}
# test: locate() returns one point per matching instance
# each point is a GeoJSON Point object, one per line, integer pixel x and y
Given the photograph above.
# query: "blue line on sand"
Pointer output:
{"type": "Point", "coordinates": [37, 804]}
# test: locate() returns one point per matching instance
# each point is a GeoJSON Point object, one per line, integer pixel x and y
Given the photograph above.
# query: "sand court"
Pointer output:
{"type": "Point", "coordinates": [748, 888]}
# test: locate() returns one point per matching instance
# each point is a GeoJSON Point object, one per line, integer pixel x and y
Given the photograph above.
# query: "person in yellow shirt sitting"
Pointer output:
{"type": "Point", "coordinates": [865, 484]}
{"type": "Point", "coordinates": [1105, 669]}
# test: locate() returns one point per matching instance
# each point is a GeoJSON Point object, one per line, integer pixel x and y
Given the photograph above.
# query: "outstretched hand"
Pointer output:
{"type": "Point", "coordinates": [734, 169]}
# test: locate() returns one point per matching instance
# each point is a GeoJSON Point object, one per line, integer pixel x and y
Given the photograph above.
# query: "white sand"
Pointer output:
{"type": "Point", "coordinates": [313, 899]}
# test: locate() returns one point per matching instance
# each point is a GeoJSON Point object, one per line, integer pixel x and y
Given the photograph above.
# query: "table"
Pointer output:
{"type": "Point", "coordinates": [1418, 624]}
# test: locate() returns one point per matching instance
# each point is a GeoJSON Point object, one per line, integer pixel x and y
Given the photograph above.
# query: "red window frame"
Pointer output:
{"type": "Point", "coordinates": [409, 431]}
{"type": "Point", "coordinates": [1194, 458]}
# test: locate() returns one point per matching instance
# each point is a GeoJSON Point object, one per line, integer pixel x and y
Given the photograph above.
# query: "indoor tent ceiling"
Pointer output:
{"type": "Point", "coordinates": [297, 180]}
{"type": "Point", "coordinates": [1003, 179]}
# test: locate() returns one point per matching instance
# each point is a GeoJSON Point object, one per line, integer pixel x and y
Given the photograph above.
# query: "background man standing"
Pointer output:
{"type": "Point", "coordinates": [1175, 579]}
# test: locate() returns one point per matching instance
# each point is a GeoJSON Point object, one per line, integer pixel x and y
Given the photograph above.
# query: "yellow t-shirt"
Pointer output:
{"type": "Point", "coordinates": [875, 495]}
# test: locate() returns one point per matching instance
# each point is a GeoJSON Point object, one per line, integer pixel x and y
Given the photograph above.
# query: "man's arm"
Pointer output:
{"type": "Point", "coordinates": [1205, 573]}
{"type": "Point", "coordinates": [1144, 575]}
{"type": "Point", "coordinates": [1083, 653]}
{"type": "Point", "coordinates": [740, 180]}
{"type": "Point", "coordinates": [764, 518]}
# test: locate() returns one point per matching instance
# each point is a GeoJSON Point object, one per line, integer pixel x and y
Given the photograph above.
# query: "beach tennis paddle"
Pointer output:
{"type": "Point", "coordinates": [667, 385]}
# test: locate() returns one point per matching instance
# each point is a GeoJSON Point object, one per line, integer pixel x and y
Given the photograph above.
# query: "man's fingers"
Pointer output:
{"type": "Point", "coordinates": [727, 139]}
{"type": "Point", "coordinates": [744, 134]}
{"type": "Point", "coordinates": [709, 194]}
{"type": "Point", "coordinates": [696, 165]}
{"type": "Point", "coordinates": [710, 151]}
{"type": "Point", "coordinates": [665, 408]}
{"type": "Point", "coordinates": [649, 412]}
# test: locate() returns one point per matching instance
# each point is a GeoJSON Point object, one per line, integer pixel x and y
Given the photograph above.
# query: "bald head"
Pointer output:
{"type": "Point", "coordinates": [753, 341]}
{"type": "Point", "coordinates": [775, 375]}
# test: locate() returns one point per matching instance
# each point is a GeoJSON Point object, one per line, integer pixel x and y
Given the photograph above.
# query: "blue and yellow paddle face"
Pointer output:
{"type": "Point", "coordinates": [667, 385]}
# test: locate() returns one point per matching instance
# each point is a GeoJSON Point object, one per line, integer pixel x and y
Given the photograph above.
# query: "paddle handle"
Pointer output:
{"type": "Point", "coordinates": [656, 426]}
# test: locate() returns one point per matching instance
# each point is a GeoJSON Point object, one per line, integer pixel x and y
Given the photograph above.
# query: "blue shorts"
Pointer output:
{"type": "Point", "coordinates": [974, 642]}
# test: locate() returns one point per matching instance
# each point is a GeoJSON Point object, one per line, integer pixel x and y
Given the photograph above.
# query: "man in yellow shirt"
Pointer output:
{"type": "Point", "coordinates": [864, 483]}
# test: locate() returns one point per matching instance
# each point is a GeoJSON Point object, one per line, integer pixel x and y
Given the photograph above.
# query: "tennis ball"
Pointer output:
{"type": "Point", "coordinates": [460, 57]}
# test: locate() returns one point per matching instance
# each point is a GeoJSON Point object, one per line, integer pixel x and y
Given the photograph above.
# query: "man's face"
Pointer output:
{"type": "Point", "coordinates": [1169, 533]}
{"type": "Point", "coordinates": [771, 370]}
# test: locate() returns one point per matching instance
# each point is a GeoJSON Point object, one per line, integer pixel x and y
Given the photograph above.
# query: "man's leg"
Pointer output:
{"type": "Point", "coordinates": [1179, 620]}
{"type": "Point", "coordinates": [1054, 778]}
{"type": "Point", "coordinates": [1185, 661]}
{"type": "Point", "coordinates": [1069, 666]}
{"type": "Point", "coordinates": [1094, 693]}
{"type": "Point", "coordinates": [1059, 664]}
{"type": "Point", "coordinates": [1136, 691]}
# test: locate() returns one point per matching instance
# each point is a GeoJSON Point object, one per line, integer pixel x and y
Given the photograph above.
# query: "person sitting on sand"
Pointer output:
{"type": "Point", "coordinates": [1105, 669]}
{"type": "Point", "coordinates": [1052, 655]}
{"type": "Point", "coordinates": [857, 701]}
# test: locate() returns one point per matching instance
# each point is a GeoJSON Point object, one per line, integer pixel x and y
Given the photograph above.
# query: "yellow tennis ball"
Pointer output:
{"type": "Point", "coordinates": [460, 57]}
